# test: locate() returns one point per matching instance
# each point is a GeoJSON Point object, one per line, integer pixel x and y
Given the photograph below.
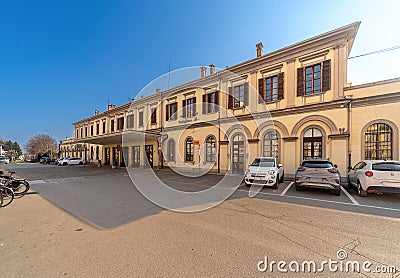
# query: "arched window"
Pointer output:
{"type": "Point", "coordinates": [189, 149]}
{"type": "Point", "coordinates": [210, 149]}
{"type": "Point", "coordinates": [271, 144]}
{"type": "Point", "coordinates": [171, 150]}
{"type": "Point", "coordinates": [312, 143]}
{"type": "Point", "coordinates": [379, 141]}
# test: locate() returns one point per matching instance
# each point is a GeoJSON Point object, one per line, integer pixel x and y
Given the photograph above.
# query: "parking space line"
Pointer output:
{"type": "Point", "coordinates": [286, 189]}
{"type": "Point", "coordinates": [350, 197]}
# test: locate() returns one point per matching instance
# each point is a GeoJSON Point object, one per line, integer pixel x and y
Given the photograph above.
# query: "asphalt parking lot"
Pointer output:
{"type": "Point", "coordinates": [107, 198]}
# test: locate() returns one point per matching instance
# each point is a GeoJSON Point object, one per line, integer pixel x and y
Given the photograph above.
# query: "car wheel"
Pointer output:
{"type": "Point", "coordinates": [361, 192]}
{"type": "Point", "coordinates": [298, 187]}
{"type": "Point", "coordinates": [275, 185]}
{"type": "Point", "coordinates": [282, 178]}
{"type": "Point", "coordinates": [81, 163]}
{"type": "Point", "coordinates": [65, 163]}
{"type": "Point", "coordinates": [336, 191]}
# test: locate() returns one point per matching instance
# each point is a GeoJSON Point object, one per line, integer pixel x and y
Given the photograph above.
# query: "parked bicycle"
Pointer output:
{"type": "Point", "coordinates": [6, 195]}
{"type": "Point", "coordinates": [19, 186]}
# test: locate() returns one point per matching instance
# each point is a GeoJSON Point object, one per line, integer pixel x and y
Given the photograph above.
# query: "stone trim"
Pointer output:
{"type": "Point", "coordinates": [332, 126]}
{"type": "Point", "coordinates": [271, 123]}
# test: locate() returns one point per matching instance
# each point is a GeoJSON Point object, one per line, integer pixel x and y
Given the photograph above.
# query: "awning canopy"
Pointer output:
{"type": "Point", "coordinates": [117, 138]}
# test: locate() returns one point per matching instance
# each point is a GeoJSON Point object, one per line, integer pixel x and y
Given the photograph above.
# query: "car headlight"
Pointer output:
{"type": "Point", "coordinates": [271, 172]}
{"type": "Point", "coordinates": [247, 172]}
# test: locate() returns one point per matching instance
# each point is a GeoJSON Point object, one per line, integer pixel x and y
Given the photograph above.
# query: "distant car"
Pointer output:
{"type": "Point", "coordinates": [59, 160]}
{"type": "Point", "coordinates": [72, 161]}
{"type": "Point", "coordinates": [45, 160]}
{"type": "Point", "coordinates": [264, 171]}
{"type": "Point", "coordinates": [4, 160]}
{"type": "Point", "coordinates": [318, 173]}
{"type": "Point", "coordinates": [375, 176]}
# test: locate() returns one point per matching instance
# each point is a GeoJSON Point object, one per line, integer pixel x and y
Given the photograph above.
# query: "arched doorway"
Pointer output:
{"type": "Point", "coordinates": [237, 154]}
{"type": "Point", "coordinates": [312, 143]}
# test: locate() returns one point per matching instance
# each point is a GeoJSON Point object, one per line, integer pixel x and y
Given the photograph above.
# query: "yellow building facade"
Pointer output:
{"type": "Point", "coordinates": [293, 103]}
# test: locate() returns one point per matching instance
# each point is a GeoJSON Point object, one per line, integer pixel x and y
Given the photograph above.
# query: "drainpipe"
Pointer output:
{"type": "Point", "coordinates": [349, 128]}
{"type": "Point", "coordinates": [219, 126]}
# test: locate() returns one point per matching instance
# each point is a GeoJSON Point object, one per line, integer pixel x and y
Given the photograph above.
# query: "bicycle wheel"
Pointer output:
{"type": "Point", "coordinates": [7, 195]}
{"type": "Point", "coordinates": [20, 187]}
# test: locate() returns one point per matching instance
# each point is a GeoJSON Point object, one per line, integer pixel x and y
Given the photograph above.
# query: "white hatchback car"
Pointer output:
{"type": "Point", "coordinates": [72, 161]}
{"type": "Point", "coordinates": [264, 171]}
{"type": "Point", "coordinates": [375, 176]}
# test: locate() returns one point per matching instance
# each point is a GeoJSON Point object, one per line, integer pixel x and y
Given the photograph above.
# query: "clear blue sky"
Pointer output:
{"type": "Point", "coordinates": [61, 60]}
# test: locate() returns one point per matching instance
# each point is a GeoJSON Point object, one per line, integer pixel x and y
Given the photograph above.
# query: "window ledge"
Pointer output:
{"type": "Point", "coordinates": [315, 94]}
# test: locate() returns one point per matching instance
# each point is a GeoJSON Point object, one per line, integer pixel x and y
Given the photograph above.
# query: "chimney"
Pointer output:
{"type": "Point", "coordinates": [259, 47]}
{"type": "Point", "coordinates": [111, 107]}
{"type": "Point", "coordinates": [96, 112]}
{"type": "Point", "coordinates": [212, 69]}
{"type": "Point", "coordinates": [203, 71]}
{"type": "Point", "coordinates": [158, 91]}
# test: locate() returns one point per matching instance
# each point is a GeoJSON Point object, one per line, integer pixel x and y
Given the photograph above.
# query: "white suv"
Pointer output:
{"type": "Point", "coordinates": [71, 161]}
{"type": "Point", "coordinates": [375, 176]}
{"type": "Point", "coordinates": [264, 171]}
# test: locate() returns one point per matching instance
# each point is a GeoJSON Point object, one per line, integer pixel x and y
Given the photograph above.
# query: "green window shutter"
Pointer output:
{"type": "Point", "coordinates": [261, 90]}
{"type": "Point", "coordinates": [326, 75]}
{"type": "Point", "coordinates": [300, 82]}
{"type": "Point", "coordinates": [281, 86]}
{"type": "Point", "coordinates": [246, 94]}
{"type": "Point", "coordinates": [230, 98]}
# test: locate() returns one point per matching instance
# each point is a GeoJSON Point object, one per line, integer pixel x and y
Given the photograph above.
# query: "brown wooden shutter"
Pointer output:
{"type": "Point", "coordinates": [300, 82]}
{"type": "Point", "coordinates": [261, 90]}
{"type": "Point", "coordinates": [246, 94]}
{"type": "Point", "coordinates": [167, 112]}
{"type": "Point", "coordinates": [194, 107]}
{"type": "Point", "coordinates": [326, 75]}
{"type": "Point", "coordinates": [216, 106]}
{"type": "Point", "coordinates": [230, 98]}
{"type": "Point", "coordinates": [184, 108]}
{"type": "Point", "coordinates": [204, 104]}
{"type": "Point", "coordinates": [281, 86]}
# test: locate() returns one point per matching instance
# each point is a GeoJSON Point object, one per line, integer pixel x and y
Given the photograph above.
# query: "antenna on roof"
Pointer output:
{"type": "Point", "coordinates": [169, 73]}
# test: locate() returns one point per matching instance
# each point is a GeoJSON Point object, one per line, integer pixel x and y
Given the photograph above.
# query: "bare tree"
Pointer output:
{"type": "Point", "coordinates": [41, 144]}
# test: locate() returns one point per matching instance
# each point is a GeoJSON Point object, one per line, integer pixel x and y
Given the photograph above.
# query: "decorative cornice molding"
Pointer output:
{"type": "Point", "coordinates": [272, 68]}
{"type": "Point", "coordinates": [314, 55]}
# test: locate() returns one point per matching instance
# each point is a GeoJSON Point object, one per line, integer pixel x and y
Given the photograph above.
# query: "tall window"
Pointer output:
{"type": "Point", "coordinates": [130, 121]}
{"type": "Point", "coordinates": [154, 115]}
{"type": "Point", "coordinates": [313, 79]}
{"type": "Point", "coordinates": [85, 131]}
{"type": "Point", "coordinates": [171, 150]}
{"type": "Point", "coordinates": [97, 128]}
{"type": "Point", "coordinates": [271, 144]}
{"type": "Point", "coordinates": [271, 88]}
{"type": "Point", "coordinates": [140, 118]}
{"type": "Point", "coordinates": [312, 143]}
{"type": "Point", "coordinates": [91, 130]}
{"type": "Point", "coordinates": [81, 132]}
{"type": "Point", "coordinates": [189, 107]}
{"type": "Point", "coordinates": [77, 133]}
{"type": "Point", "coordinates": [210, 102]}
{"type": "Point", "coordinates": [210, 148]}
{"type": "Point", "coordinates": [189, 149]}
{"type": "Point", "coordinates": [171, 111]}
{"type": "Point", "coordinates": [120, 123]}
{"type": "Point", "coordinates": [104, 126]}
{"type": "Point", "coordinates": [238, 94]}
{"type": "Point", "coordinates": [379, 141]}
{"type": "Point", "coordinates": [112, 125]}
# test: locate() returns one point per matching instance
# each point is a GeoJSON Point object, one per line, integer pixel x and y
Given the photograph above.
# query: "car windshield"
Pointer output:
{"type": "Point", "coordinates": [263, 162]}
{"type": "Point", "coordinates": [394, 167]}
{"type": "Point", "coordinates": [317, 164]}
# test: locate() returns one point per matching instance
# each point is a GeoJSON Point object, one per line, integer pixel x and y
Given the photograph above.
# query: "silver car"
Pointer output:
{"type": "Point", "coordinates": [318, 173]}
{"type": "Point", "coordinates": [375, 176]}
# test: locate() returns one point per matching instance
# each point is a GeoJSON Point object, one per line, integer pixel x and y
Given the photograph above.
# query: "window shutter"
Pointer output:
{"type": "Point", "coordinates": [326, 75]}
{"type": "Point", "coordinates": [281, 86]}
{"type": "Point", "coordinates": [246, 94]}
{"type": "Point", "coordinates": [184, 108]}
{"type": "Point", "coordinates": [194, 107]}
{"type": "Point", "coordinates": [300, 82]}
{"type": "Point", "coordinates": [167, 112]}
{"type": "Point", "coordinates": [230, 98]}
{"type": "Point", "coordinates": [204, 104]}
{"type": "Point", "coordinates": [261, 90]}
{"type": "Point", "coordinates": [216, 106]}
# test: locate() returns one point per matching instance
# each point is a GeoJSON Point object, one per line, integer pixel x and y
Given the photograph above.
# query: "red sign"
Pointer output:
{"type": "Point", "coordinates": [196, 142]}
